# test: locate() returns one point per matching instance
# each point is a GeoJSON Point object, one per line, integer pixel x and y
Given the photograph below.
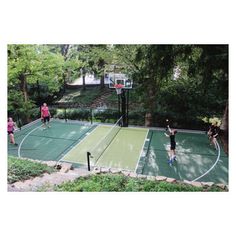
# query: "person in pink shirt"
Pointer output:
{"type": "Point", "coordinates": [10, 130]}
{"type": "Point", "coordinates": [45, 115]}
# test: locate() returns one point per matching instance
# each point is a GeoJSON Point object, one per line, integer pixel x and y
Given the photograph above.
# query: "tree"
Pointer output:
{"type": "Point", "coordinates": [94, 59]}
{"type": "Point", "coordinates": [83, 59]}
{"type": "Point", "coordinates": [72, 64]}
{"type": "Point", "coordinates": [65, 53]}
{"type": "Point", "coordinates": [30, 65]}
{"type": "Point", "coordinates": [214, 68]}
{"type": "Point", "coordinates": [149, 65]}
{"type": "Point", "coordinates": [201, 86]}
{"type": "Point", "coordinates": [224, 126]}
{"type": "Point", "coordinates": [100, 57]}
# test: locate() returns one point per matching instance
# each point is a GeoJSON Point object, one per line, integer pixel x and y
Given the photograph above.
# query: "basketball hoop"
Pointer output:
{"type": "Point", "coordinates": [118, 88]}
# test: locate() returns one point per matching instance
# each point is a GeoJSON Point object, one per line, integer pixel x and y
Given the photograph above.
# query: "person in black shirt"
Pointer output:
{"type": "Point", "coordinates": [213, 133]}
{"type": "Point", "coordinates": [171, 135]}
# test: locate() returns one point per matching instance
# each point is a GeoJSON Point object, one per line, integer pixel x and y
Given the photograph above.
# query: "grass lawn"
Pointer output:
{"type": "Point", "coordinates": [81, 96]}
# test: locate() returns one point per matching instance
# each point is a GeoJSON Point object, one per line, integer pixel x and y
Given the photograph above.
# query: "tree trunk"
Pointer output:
{"type": "Point", "coordinates": [225, 129]}
{"type": "Point", "coordinates": [102, 83]}
{"type": "Point", "coordinates": [23, 86]}
{"type": "Point", "coordinates": [224, 125]}
{"type": "Point", "coordinates": [24, 89]}
{"type": "Point", "coordinates": [65, 50]}
{"type": "Point", "coordinates": [148, 119]}
{"type": "Point", "coordinates": [151, 105]}
{"type": "Point", "coordinates": [84, 84]}
{"type": "Point", "coordinates": [64, 82]}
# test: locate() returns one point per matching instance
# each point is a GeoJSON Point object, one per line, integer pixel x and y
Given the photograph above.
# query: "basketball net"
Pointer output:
{"type": "Point", "coordinates": [118, 88]}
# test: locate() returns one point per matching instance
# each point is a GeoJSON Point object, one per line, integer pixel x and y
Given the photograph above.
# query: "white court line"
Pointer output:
{"type": "Point", "coordinates": [85, 164]}
{"type": "Point", "coordinates": [218, 146]}
{"type": "Point", "coordinates": [73, 162]}
{"type": "Point", "coordinates": [163, 129]}
{"type": "Point", "coordinates": [27, 125]}
{"type": "Point", "coordinates": [77, 145]}
{"type": "Point", "coordinates": [24, 140]}
{"type": "Point", "coordinates": [140, 155]}
{"type": "Point", "coordinates": [103, 138]}
{"type": "Point", "coordinates": [85, 123]}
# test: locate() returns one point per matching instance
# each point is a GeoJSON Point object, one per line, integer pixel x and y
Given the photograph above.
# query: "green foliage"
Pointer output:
{"type": "Point", "coordinates": [106, 115]}
{"type": "Point", "coordinates": [38, 73]}
{"type": "Point", "coordinates": [148, 65]}
{"type": "Point", "coordinates": [86, 97]}
{"type": "Point", "coordinates": [21, 169]}
{"type": "Point", "coordinates": [100, 115]}
{"type": "Point", "coordinates": [186, 101]}
{"type": "Point", "coordinates": [214, 120]}
{"type": "Point", "coordinates": [99, 56]}
{"type": "Point", "coordinates": [18, 109]}
{"type": "Point", "coordinates": [203, 78]}
{"type": "Point", "coordinates": [31, 67]}
{"type": "Point", "coordinates": [121, 183]}
{"type": "Point", "coordinates": [37, 63]}
{"type": "Point", "coordinates": [60, 114]}
{"type": "Point", "coordinates": [137, 117]}
{"type": "Point", "coordinates": [80, 96]}
{"type": "Point", "coordinates": [73, 114]}
{"type": "Point", "coordinates": [78, 114]}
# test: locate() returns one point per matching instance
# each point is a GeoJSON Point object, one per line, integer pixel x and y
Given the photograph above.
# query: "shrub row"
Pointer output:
{"type": "Point", "coordinates": [136, 117]}
{"type": "Point", "coordinates": [121, 183]}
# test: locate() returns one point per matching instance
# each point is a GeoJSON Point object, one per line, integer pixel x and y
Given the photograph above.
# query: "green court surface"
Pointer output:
{"type": "Point", "coordinates": [47, 144]}
{"type": "Point", "coordinates": [196, 159]}
{"type": "Point", "coordinates": [123, 151]}
{"type": "Point", "coordinates": [136, 149]}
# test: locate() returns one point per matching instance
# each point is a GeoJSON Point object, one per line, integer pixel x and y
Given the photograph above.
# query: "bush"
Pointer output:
{"type": "Point", "coordinates": [53, 111]}
{"type": "Point", "coordinates": [21, 169]}
{"type": "Point", "coordinates": [73, 114]}
{"type": "Point", "coordinates": [106, 115]}
{"type": "Point", "coordinates": [137, 117]}
{"type": "Point", "coordinates": [181, 121]}
{"type": "Point", "coordinates": [60, 114]}
{"type": "Point", "coordinates": [121, 183]}
{"type": "Point", "coordinates": [35, 113]}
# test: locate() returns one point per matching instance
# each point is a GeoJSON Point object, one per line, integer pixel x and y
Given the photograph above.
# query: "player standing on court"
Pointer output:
{"type": "Point", "coordinates": [213, 133]}
{"type": "Point", "coordinates": [10, 129]}
{"type": "Point", "coordinates": [171, 135]}
{"type": "Point", "coordinates": [45, 115]}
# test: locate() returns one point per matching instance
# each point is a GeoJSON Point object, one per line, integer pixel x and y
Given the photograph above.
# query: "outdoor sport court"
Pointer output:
{"type": "Point", "coordinates": [141, 150]}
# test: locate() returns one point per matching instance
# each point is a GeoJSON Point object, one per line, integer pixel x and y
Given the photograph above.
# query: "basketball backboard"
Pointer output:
{"type": "Point", "coordinates": [120, 79]}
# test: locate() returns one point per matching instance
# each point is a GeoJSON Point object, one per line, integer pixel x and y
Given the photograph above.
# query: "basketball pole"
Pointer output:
{"type": "Point", "coordinates": [124, 108]}
{"type": "Point", "coordinates": [118, 105]}
{"type": "Point", "coordinates": [127, 107]}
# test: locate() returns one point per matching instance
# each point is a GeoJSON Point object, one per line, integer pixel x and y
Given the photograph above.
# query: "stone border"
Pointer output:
{"type": "Point", "coordinates": [102, 170]}
{"type": "Point", "coordinates": [62, 166]}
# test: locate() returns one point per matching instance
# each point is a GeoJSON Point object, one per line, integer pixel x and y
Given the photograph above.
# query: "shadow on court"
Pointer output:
{"type": "Point", "coordinates": [194, 158]}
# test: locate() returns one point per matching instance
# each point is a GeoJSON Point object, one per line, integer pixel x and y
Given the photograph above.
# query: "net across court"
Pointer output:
{"type": "Point", "coordinates": [122, 150]}
{"type": "Point", "coordinates": [141, 150]}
